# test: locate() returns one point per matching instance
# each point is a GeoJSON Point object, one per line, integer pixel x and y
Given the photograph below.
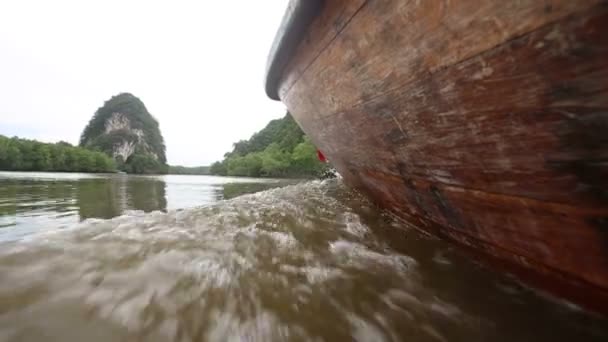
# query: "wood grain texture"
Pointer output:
{"type": "Point", "coordinates": [390, 43]}
{"type": "Point", "coordinates": [332, 20]}
{"type": "Point", "coordinates": [483, 122]}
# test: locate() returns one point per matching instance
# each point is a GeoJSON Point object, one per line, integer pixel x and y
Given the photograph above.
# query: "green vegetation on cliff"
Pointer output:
{"type": "Point", "coordinates": [279, 150]}
{"type": "Point", "coordinates": [31, 155]}
{"type": "Point", "coordinates": [124, 129]}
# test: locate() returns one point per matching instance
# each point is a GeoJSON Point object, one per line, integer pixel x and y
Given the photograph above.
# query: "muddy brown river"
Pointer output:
{"type": "Point", "coordinates": [196, 258]}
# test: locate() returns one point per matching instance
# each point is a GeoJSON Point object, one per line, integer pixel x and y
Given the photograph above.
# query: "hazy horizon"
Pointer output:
{"type": "Point", "coordinates": [198, 67]}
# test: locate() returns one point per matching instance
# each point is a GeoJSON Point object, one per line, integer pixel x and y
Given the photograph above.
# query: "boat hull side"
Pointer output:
{"type": "Point", "coordinates": [482, 122]}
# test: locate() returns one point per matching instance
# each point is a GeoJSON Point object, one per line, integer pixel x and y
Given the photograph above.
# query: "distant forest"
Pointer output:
{"type": "Point", "coordinates": [187, 170]}
{"type": "Point", "coordinates": [280, 149]}
{"type": "Point", "coordinates": [30, 155]}
{"type": "Point", "coordinates": [18, 154]}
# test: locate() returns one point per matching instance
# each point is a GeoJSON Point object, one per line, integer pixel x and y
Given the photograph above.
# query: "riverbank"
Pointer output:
{"type": "Point", "coordinates": [17, 154]}
{"type": "Point", "coordinates": [278, 150]}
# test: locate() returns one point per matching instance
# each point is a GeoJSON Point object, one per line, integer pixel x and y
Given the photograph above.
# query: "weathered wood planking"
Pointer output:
{"type": "Point", "coordinates": [390, 43]}
{"type": "Point", "coordinates": [459, 128]}
{"type": "Point", "coordinates": [324, 29]}
{"type": "Point", "coordinates": [548, 233]}
{"type": "Point", "coordinates": [480, 121]}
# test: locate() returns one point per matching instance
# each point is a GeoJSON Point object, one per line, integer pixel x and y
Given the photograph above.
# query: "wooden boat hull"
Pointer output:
{"type": "Point", "coordinates": [482, 122]}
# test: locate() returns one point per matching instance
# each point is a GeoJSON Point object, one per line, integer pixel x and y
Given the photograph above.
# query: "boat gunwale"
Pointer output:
{"type": "Point", "coordinates": [296, 20]}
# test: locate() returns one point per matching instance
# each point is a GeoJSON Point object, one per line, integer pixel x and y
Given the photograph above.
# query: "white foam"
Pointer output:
{"type": "Point", "coordinates": [354, 225]}
{"type": "Point", "coordinates": [358, 255]}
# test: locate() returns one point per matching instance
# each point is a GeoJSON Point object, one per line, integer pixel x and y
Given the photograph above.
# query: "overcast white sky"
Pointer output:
{"type": "Point", "coordinates": [197, 65]}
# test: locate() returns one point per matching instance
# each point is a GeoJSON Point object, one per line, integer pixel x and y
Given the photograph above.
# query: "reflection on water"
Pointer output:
{"type": "Point", "coordinates": [110, 197]}
{"type": "Point", "coordinates": [30, 202]}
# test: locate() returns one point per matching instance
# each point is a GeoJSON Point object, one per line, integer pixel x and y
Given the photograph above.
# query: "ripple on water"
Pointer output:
{"type": "Point", "coordinates": [296, 263]}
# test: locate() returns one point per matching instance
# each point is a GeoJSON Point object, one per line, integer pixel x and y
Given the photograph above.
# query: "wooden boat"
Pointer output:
{"type": "Point", "coordinates": [484, 122]}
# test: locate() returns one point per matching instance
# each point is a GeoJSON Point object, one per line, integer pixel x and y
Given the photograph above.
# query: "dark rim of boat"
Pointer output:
{"type": "Point", "coordinates": [298, 16]}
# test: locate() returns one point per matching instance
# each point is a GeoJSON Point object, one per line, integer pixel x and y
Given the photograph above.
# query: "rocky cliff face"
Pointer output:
{"type": "Point", "coordinates": [124, 148]}
{"type": "Point", "coordinates": [123, 128]}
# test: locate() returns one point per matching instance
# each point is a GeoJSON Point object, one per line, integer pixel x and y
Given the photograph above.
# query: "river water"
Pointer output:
{"type": "Point", "coordinates": [197, 258]}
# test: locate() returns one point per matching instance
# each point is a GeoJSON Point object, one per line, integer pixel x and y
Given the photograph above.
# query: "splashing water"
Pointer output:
{"type": "Point", "coordinates": [311, 261]}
